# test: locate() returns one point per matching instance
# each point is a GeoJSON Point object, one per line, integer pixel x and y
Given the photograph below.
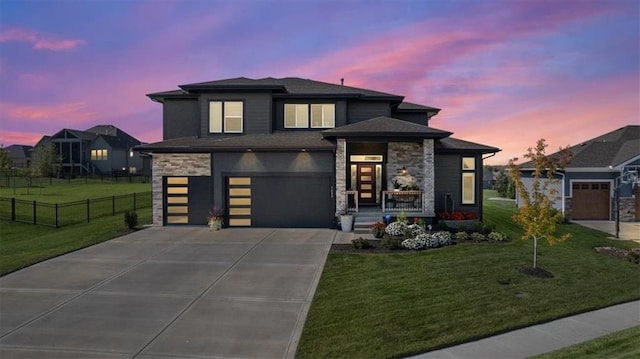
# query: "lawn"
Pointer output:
{"type": "Point", "coordinates": [620, 345]}
{"type": "Point", "coordinates": [24, 244]}
{"type": "Point", "coordinates": [61, 191]}
{"type": "Point", "coordinates": [393, 305]}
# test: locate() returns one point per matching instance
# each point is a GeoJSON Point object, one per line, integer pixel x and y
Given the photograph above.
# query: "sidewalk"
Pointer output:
{"type": "Point", "coordinates": [544, 338]}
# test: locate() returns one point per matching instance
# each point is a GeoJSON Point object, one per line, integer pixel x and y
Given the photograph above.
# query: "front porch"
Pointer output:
{"type": "Point", "coordinates": [392, 202]}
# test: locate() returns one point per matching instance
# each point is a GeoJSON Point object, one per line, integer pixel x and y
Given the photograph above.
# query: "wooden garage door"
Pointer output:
{"type": "Point", "coordinates": [590, 200]}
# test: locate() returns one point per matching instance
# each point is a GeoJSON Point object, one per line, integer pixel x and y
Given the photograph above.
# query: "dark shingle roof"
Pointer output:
{"type": "Point", "coordinates": [414, 107]}
{"type": "Point", "coordinates": [278, 141]}
{"type": "Point", "coordinates": [385, 127]}
{"type": "Point", "coordinates": [87, 136]}
{"type": "Point", "coordinates": [114, 136]}
{"type": "Point", "coordinates": [18, 151]}
{"type": "Point", "coordinates": [451, 144]}
{"type": "Point", "coordinates": [282, 87]}
{"type": "Point", "coordinates": [611, 149]}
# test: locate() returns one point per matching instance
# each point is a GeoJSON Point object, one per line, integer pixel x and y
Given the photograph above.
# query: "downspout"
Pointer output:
{"type": "Point", "coordinates": [563, 192]}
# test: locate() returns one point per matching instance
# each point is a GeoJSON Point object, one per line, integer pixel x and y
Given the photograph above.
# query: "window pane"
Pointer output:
{"type": "Point", "coordinates": [329, 116]}
{"type": "Point", "coordinates": [104, 154]}
{"type": "Point", "coordinates": [94, 155]}
{"type": "Point", "coordinates": [289, 115]}
{"type": "Point", "coordinates": [233, 109]}
{"type": "Point", "coordinates": [316, 115]}
{"type": "Point", "coordinates": [302, 116]}
{"type": "Point", "coordinates": [468, 163]}
{"type": "Point", "coordinates": [468, 188]}
{"type": "Point", "coordinates": [322, 115]}
{"type": "Point", "coordinates": [215, 117]}
{"type": "Point", "coordinates": [233, 125]}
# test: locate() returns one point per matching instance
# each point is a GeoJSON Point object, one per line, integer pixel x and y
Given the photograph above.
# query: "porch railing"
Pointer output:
{"type": "Point", "coordinates": [407, 201]}
{"type": "Point", "coordinates": [352, 201]}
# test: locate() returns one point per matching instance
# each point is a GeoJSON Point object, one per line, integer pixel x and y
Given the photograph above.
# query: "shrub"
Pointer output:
{"type": "Point", "coordinates": [462, 236]}
{"type": "Point", "coordinates": [415, 230]}
{"type": "Point", "coordinates": [417, 243]}
{"type": "Point", "coordinates": [131, 219]}
{"type": "Point", "coordinates": [360, 243]}
{"type": "Point", "coordinates": [397, 229]}
{"type": "Point", "coordinates": [478, 237]}
{"type": "Point", "coordinates": [634, 255]}
{"type": "Point", "coordinates": [497, 236]}
{"type": "Point", "coordinates": [442, 238]}
{"type": "Point", "coordinates": [378, 228]}
{"type": "Point", "coordinates": [391, 242]}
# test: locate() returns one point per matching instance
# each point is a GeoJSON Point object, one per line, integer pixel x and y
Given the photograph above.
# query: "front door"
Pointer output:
{"type": "Point", "coordinates": [367, 183]}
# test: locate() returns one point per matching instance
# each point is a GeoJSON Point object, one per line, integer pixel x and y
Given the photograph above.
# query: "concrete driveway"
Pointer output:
{"type": "Point", "coordinates": [167, 292]}
{"type": "Point", "coordinates": [628, 230]}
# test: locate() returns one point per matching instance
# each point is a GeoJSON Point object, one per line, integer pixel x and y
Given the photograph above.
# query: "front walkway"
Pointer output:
{"type": "Point", "coordinates": [544, 338]}
{"type": "Point", "coordinates": [170, 292]}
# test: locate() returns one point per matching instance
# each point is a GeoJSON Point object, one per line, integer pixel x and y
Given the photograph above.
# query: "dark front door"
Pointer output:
{"type": "Point", "coordinates": [366, 183]}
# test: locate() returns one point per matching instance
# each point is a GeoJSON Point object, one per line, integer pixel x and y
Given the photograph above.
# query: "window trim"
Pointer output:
{"type": "Point", "coordinates": [468, 173]}
{"type": "Point", "coordinates": [309, 116]}
{"type": "Point", "coordinates": [223, 125]}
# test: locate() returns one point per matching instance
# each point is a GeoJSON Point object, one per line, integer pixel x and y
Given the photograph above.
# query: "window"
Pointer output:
{"type": "Point", "coordinates": [298, 115]}
{"type": "Point", "coordinates": [225, 116]}
{"type": "Point", "coordinates": [99, 155]}
{"type": "Point", "coordinates": [468, 180]}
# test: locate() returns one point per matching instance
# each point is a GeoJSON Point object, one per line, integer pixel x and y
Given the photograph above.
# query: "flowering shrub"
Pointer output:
{"type": "Point", "coordinates": [497, 236]}
{"type": "Point", "coordinates": [396, 228]}
{"type": "Point", "coordinates": [416, 230]}
{"type": "Point", "coordinates": [477, 236]}
{"type": "Point", "coordinates": [462, 236]}
{"type": "Point", "coordinates": [457, 216]}
{"type": "Point", "coordinates": [417, 243]}
{"type": "Point", "coordinates": [443, 238]}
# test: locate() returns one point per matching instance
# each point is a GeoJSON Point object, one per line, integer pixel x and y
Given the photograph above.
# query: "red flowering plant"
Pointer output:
{"type": "Point", "coordinates": [457, 216]}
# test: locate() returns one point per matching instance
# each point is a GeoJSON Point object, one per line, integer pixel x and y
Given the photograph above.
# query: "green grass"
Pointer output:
{"type": "Point", "coordinates": [23, 244]}
{"type": "Point", "coordinates": [395, 305]}
{"type": "Point", "coordinates": [620, 345]}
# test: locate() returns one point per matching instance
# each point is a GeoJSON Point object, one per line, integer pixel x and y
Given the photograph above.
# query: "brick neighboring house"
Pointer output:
{"type": "Point", "coordinates": [292, 152]}
{"type": "Point", "coordinates": [600, 168]}
{"type": "Point", "coordinates": [102, 149]}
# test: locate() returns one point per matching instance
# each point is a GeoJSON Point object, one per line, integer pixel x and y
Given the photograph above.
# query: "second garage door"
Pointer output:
{"type": "Point", "coordinates": [302, 201]}
{"type": "Point", "coordinates": [590, 201]}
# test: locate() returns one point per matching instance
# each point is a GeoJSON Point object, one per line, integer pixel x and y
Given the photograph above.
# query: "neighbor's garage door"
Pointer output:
{"type": "Point", "coordinates": [590, 201]}
{"type": "Point", "coordinates": [282, 201]}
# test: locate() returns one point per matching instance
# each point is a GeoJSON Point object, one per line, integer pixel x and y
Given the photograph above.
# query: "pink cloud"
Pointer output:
{"type": "Point", "coordinates": [39, 41]}
{"type": "Point", "coordinates": [62, 113]}
{"type": "Point", "coordinates": [20, 138]}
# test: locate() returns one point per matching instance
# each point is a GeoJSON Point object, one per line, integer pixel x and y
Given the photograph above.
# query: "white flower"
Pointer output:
{"type": "Point", "coordinates": [396, 228]}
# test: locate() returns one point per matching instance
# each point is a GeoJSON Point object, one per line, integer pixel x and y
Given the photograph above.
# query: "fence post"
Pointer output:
{"type": "Point", "coordinates": [134, 201]}
{"type": "Point", "coordinates": [13, 209]}
{"type": "Point", "coordinates": [34, 212]}
{"type": "Point", "coordinates": [88, 216]}
{"type": "Point", "coordinates": [113, 205]}
{"type": "Point", "coordinates": [56, 215]}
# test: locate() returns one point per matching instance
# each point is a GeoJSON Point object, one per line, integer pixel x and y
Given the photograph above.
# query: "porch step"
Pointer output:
{"type": "Point", "coordinates": [362, 223]}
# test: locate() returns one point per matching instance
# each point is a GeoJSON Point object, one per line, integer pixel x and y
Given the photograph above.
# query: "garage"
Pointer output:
{"type": "Point", "coordinates": [590, 200]}
{"type": "Point", "coordinates": [289, 200]}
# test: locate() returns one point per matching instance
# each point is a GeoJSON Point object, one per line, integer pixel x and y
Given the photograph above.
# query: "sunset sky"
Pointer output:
{"type": "Point", "coordinates": [504, 73]}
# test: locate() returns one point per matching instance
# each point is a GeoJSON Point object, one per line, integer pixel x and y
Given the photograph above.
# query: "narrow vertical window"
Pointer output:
{"type": "Point", "coordinates": [468, 180]}
{"type": "Point", "coordinates": [215, 117]}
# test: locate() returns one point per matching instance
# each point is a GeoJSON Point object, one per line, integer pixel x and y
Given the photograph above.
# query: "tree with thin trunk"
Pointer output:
{"type": "Point", "coordinates": [536, 215]}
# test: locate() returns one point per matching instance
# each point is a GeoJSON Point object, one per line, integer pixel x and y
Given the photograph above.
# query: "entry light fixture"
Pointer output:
{"type": "Point", "coordinates": [303, 150]}
{"type": "Point", "coordinates": [403, 171]}
{"type": "Point", "coordinates": [249, 150]}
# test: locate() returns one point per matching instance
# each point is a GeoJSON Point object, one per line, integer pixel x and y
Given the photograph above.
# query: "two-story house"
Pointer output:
{"type": "Point", "coordinates": [293, 152]}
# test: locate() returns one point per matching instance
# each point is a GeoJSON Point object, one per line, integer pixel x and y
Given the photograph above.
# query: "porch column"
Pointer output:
{"type": "Point", "coordinates": [428, 157]}
{"type": "Point", "coordinates": [341, 175]}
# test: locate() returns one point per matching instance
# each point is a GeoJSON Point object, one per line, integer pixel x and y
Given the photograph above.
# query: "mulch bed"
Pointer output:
{"type": "Point", "coordinates": [536, 272]}
{"type": "Point", "coordinates": [347, 248]}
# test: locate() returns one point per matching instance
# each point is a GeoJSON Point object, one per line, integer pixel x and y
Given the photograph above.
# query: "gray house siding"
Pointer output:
{"type": "Point", "coordinates": [419, 118]}
{"type": "Point", "coordinates": [448, 178]}
{"type": "Point", "coordinates": [257, 111]}
{"type": "Point", "coordinates": [365, 110]}
{"type": "Point", "coordinates": [180, 118]}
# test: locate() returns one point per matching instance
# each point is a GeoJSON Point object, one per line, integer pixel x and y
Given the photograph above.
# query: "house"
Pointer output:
{"type": "Point", "coordinates": [292, 152]}
{"type": "Point", "coordinates": [20, 155]}
{"type": "Point", "coordinates": [102, 149]}
{"type": "Point", "coordinates": [601, 171]}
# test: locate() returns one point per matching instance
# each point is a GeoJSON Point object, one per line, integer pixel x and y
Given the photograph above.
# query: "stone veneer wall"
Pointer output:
{"type": "Point", "coordinates": [341, 176]}
{"type": "Point", "coordinates": [627, 209]}
{"type": "Point", "coordinates": [420, 164]}
{"type": "Point", "coordinates": [175, 164]}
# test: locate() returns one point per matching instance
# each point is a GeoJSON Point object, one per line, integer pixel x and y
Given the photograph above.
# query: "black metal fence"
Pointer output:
{"type": "Point", "coordinates": [64, 214]}
{"type": "Point", "coordinates": [13, 179]}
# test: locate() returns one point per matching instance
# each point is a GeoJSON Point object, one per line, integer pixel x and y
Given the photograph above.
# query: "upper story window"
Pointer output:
{"type": "Point", "coordinates": [468, 180]}
{"type": "Point", "coordinates": [225, 116]}
{"type": "Point", "coordinates": [321, 115]}
{"type": "Point", "coordinates": [99, 155]}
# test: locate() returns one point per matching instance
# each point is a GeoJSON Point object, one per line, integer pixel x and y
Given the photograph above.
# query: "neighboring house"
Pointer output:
{"type": "Point", "coordinates": [293, 152]}
{"type": "Point", "coordinates": [103, 149]}
{"type": "Point", "coordinates": [600, 168]}
{"type": "Point", "coordinates": [20, 155]}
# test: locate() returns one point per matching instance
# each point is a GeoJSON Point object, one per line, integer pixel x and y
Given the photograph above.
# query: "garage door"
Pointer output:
{"type": "Point", "coordinates": [281, 201]}
{"type": "Point", "coordinates": [590, 201]}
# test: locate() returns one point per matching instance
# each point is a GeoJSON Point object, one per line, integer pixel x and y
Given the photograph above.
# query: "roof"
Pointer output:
{"type": "Point", "coordinates": [284, 87]}
{"type": "Point", "coordinates": [87, 136]}
{"type": "Point", "coordinates": [18, 151]}
{"type": "Point", "coordinates": [413, 107]}
{"type": "Point", "coordinates": [277, 141]}
{"type": "Point", "coordinates": [385, 127]}
{"type": "Point", "coordinates": [451, 144]}
{"type": "Point", "coordinates": [115, 137]}
{"type": "Point", "coordinates": [611, 149]}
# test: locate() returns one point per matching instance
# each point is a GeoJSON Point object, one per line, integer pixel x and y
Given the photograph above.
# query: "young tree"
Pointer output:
{"type": "Point", "coordinates": [505, 186]}
{"type": "Point", "coordinates": [5, 161]}
{"type": "Point", "coordinates": [536, 214]}
{"type": "Point", "coordinates": [43, 159]}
